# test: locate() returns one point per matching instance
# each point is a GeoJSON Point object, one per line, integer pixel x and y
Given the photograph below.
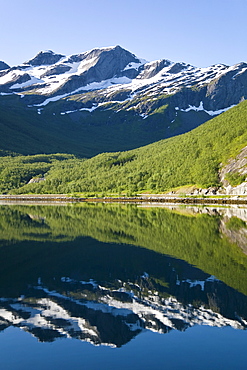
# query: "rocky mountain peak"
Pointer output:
{"type": "Point", "coordinates": [3, 65]}
{"type": "Point", "coordinates": [113, 61]}
{"type": "Point", "coordinates": [117, 54]}
{"type": "Point", "coordinates": [96, 65]}
{"type": "Point", "coordinates": [152, 68]}
{"type": "Point", "coordinates": [118, 74]}
{"type": "Point", "coordinates": [45, 58]}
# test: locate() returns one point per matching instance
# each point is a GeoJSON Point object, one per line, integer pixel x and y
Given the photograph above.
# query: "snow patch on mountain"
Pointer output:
{"type": "Point", "coordinates": [52, 83]}
{"type": "Point", "coordinates": [80, 110]}
{"type": "Point", "coordinates": [118, 75]}
{"type": "Point", "coordinates": [9, 77]}
{"type": "Point", "coordinates": [168, 82]}
{"type": "Point", "coordinates": [134, 65]}
{"type": "Point", "coordinates": [201, 283]}
{"type": "Point", "coordinates": [171, 77]}
{"type": "Point", "coordinates": [201, 108]}
{"type": "Point", "coordinates": [116, 81]}
{"type": "Point", "coordinates": [30, 82]}
{"type": "Point", "coordinates": [47, 101]}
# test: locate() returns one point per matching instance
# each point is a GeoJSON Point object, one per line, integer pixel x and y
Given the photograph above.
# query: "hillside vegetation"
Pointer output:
{"type": "Point", "coordinates": [85, 134]}
{"type": "Point", "coordinates": [191, 158]}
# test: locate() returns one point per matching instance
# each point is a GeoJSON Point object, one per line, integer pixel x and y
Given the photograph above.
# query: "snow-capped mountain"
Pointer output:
{"type": "Point", "coordinates": [99, 93]}
{"type": "Point", "coordinates": [119, 77]}
{"type": "Point", "coordinates": [49, 73]}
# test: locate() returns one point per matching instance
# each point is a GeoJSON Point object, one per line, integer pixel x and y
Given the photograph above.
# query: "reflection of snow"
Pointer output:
{"type": "Point", "coordinates": [151, 312]}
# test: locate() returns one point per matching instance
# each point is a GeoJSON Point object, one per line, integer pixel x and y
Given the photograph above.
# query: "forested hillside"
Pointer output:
{"type": "Point", "coordinates": [191, 158]}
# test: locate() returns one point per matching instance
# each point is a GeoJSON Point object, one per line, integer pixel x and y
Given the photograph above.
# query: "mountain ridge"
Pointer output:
{"type": "Point", "coordinates": [109, 100]}
{"type": "Point", "coordinates": [115, 69]}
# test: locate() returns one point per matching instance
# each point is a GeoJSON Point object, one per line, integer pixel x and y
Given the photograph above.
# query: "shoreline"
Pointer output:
{"type": "Point", "coordinates": [55, 198]}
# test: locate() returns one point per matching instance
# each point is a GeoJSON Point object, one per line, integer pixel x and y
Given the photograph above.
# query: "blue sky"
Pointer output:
{"type": "Point", "coordinates": [199, 32]}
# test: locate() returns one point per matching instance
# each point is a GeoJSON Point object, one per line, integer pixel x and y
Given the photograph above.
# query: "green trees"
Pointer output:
{"type": "Point", "coordinates": [17, 171]}
{"type": "Point", "coordinates": [192, 158]}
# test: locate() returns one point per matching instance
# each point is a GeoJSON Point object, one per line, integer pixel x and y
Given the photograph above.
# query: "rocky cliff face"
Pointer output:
{"type": "Point", "coordinates": [3, 65]}
{"type": "Point", "coordinates": [230, 88]}
{"type": "Point", "coordinates": [236, 168]}
{"type": "Point", "coordinates": [113, 72]}
{"type": "Point", "coordinates": [44, 58]}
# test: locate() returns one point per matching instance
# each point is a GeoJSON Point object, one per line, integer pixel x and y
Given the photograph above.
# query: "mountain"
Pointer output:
{"type": "Point", "coordinates": [107, 99]}
{"type": "Point", "coordinates": [50, 74]}
{"type": "Point", "coordinates": [3, 65]}
{"type": "Point", "coordinates": [199, 158]}
{"type": "Point", "coordinates": [119, 76]}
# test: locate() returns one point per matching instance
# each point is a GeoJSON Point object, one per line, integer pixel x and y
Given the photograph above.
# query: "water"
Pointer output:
{"type": "Point", "coordinates": [122, 287]}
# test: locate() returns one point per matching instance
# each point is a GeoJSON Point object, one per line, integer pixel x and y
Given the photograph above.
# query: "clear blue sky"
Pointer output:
{"type": "Point", "coordinates": [199, 32]}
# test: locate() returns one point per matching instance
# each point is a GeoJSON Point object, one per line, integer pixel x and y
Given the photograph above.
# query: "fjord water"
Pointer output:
{"type": "Point", "coordinates": [96, 286]}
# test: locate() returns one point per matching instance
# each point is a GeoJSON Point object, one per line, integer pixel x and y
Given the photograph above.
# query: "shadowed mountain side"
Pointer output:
{"type": "Point", "coordinates": [24, 131]}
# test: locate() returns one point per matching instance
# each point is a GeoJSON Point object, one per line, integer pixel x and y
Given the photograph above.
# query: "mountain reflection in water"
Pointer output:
{"type": "Point", "coordinates": [105, 273]}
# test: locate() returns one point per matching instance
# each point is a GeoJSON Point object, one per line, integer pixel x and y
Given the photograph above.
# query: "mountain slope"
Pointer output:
{"type": "Point", "coordinates": [24, 131]}
{"type": "Point", "coordinates": [111, 100]}
{"type": "Point", "coordinates": [3, 65]}
{"type": "Point", "coordinates": [192, 158]}
{"type": "Point", "coordinates": [116, 73]}
{"type": "Point", "coordinates": [55, 74]}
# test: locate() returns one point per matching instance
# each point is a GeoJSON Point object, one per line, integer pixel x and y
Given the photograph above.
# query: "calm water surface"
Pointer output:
{"type": "Point", "coordinates": [123, 287]}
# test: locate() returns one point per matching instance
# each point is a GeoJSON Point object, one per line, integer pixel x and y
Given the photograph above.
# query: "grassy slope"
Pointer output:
{"type": "Point", "coordinates": [24, 131]}
{"type": "Point", "coordinates": [191, 158]}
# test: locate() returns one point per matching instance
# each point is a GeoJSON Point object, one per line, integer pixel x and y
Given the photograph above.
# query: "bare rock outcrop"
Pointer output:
{"type": "Point", "coordinates": [235, 166]}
